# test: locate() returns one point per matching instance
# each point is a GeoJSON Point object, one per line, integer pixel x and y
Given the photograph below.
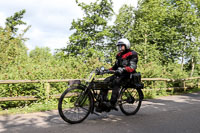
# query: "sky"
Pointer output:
{"type": "Point", "coordinates": [50, 20]}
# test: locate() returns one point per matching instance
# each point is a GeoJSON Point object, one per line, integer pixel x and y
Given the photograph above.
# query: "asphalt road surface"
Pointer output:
{"type": "Point", "coordinates": [170, 114]}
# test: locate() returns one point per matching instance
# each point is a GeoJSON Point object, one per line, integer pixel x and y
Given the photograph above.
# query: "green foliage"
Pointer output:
{"type": "Point", "coordinates": [92, 30]}
{"type": "Point", "coordinates": [172, 26]}
{"type": "Point", "coordinates": [14, 21]}
{"type": "Point", "coordinates": [164, 33]}
{"type": "Point", "coordinates": [40, 54]}
{"type": "Point", "coordinates": [11, 49]}
{"type": "Point", "coordinates": [174, 71]}
{"type": "Point", "coordinates": [124, 22]}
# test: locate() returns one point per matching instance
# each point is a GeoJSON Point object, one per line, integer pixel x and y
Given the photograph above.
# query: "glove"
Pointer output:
{"type": "Point", "coordinates": [119, 71]}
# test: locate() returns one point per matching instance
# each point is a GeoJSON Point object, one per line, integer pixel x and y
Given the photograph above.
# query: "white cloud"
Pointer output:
{"type": "Point", "coordinates": [118, 3]}
{"type": "Point", "coordinates": [50, 19]}
{"type": "Point", "coordinates": [46, 39]}
{"type": "Point", "coordinates": [56, 43]}
{"type": "Point", "coordinates": [2, 19]}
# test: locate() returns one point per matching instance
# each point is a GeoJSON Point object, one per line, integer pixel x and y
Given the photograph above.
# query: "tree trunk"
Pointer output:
{"type": "Point", "coordinates": [193, 65]}
{"type": "Point", "coordinates": [182, 60]}
{"type": "Point", "coordinates": [145, 54]}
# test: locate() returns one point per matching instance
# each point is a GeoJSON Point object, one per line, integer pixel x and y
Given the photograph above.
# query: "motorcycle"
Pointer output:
{"type": "Point", "coordinates": [81, 99]}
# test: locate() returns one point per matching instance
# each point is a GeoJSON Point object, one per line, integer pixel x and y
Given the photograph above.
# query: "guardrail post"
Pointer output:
{"type": "Point", "coordinates": [184, 87]}
{"type": "Point", "coordinates": [165, 84]}
{"type": "Point", "coordinates": [154, 91]}
{"type": "Point", "coordinates": [152, 84]}
{"type": "Point", "coordinates": [172, 88]}
{"type": "Point", "coordinates": [47, 90]}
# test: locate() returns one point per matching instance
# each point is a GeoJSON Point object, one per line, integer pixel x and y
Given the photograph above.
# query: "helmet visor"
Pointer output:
{"type": "Point", "coordinates": [119, 47]}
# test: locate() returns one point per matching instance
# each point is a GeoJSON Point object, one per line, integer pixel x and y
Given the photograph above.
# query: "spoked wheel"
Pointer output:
{"type": "Point", "coordinates": [74, 107]}
{"type": "Point", "coordinates": [130, 100]}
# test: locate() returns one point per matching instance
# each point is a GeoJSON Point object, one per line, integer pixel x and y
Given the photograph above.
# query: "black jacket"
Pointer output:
{"type": "Point", "coordinates": [127, 60]}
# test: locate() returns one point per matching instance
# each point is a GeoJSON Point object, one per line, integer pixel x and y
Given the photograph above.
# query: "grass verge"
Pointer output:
{"type": "Point", "coordinates": [35, 107]}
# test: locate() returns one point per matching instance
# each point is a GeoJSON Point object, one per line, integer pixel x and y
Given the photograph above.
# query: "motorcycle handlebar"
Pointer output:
{"type": "Point", "coordinates": [111, 71]}
{"type": "Point", "coordinates": [101, 72]}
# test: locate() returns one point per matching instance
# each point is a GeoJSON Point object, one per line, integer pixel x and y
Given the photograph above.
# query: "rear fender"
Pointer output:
{"type": "Point", "coordinates": [141, 92]}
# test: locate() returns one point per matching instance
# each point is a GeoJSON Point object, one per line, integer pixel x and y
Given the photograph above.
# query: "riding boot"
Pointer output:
{"type": "Point", "coordinates": [103, 99]}
{"type": "Point", "coordinates": [113, 100]}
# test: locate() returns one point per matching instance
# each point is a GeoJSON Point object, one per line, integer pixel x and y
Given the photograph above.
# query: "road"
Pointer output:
{"type": "Point", "coordinates": [170, 114]}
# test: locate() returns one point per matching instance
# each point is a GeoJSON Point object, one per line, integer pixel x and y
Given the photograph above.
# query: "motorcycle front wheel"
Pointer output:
{"type": "Point", "coordinates": [74, 106]}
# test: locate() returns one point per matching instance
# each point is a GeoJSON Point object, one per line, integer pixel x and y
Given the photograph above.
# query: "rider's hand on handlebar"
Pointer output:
{"type": "Point", "coordinates": [111, 71]}
{"type": "Point", "coordinates": [119, 71]}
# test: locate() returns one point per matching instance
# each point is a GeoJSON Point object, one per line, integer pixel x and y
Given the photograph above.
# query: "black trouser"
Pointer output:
{"type": "Point", "coordinates": [116, 82]}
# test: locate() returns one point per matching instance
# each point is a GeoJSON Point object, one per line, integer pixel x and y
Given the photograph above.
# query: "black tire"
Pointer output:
{"type": "Point", "coordinates": [130, 100]}
{"type": "Point", "coordinates": [73, 106]}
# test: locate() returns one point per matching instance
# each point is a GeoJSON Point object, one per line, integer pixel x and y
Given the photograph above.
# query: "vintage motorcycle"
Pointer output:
{"type": "Point", "coordinates": [81, 99]}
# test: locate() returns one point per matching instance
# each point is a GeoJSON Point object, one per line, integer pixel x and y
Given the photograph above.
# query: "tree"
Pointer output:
{"type": "Point", "coordinates": [14, 21]}
{"type": "Point", "coordinates": [165, 29]}
{"type": "Point", "coordinates": [123, 23]}
{"type": "Point", "coordinates": [151, 27]}
{"type": "Point", "coordinates": [40, 54]}
{"type": "Point", "coordinates": [92, 30]}
{"type": "Point", "coordinates": [188, 27]}
{"type": "Point", "coordinates": [169, 24]}
{"type": "Point", "coordinates": [141, 27]}
{"type": "Point", "coordinates": [12, 48]}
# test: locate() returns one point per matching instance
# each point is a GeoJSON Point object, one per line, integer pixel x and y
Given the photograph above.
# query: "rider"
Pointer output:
{"type": "Point", "coordinates": [126, 63]}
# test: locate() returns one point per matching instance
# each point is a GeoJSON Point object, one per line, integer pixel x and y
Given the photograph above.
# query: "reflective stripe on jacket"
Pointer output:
{"type": "Point", "coordinates": [127, 60]}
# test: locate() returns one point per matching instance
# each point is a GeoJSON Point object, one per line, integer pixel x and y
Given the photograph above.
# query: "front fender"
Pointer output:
{"type": "Point", "coordinates": [74, 82]}
{"type": "Point", "coordinates": [91, 96]}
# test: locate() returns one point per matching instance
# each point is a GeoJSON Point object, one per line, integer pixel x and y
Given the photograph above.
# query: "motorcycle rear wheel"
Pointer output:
{"type": "Point", "coordinates": [130, 100]}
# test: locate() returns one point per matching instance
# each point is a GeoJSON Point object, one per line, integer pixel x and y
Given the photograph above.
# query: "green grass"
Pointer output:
{"type": "Point", "coordinates": [152, 94]}
{"type": "Point", "coordinates": [188, 91]}
{"type": "Point", "coordinates": [35, 107]}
